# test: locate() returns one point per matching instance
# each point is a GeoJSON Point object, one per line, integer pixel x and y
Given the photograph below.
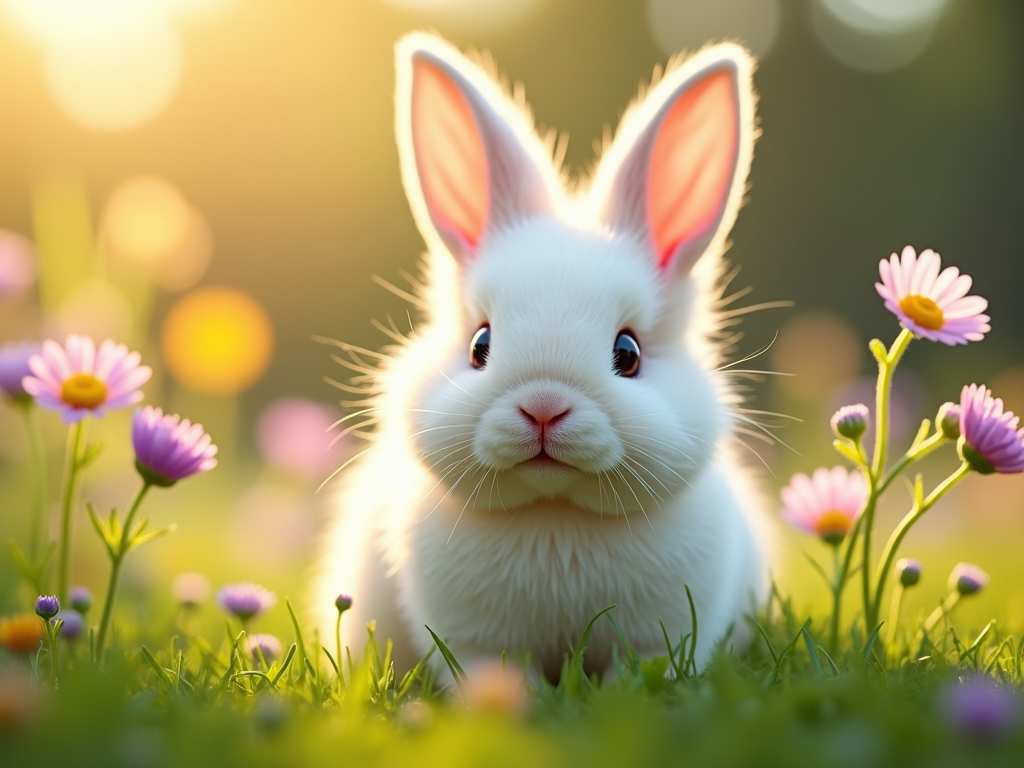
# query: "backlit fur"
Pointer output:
{"type": "Point", "coordinates": [437, 525]}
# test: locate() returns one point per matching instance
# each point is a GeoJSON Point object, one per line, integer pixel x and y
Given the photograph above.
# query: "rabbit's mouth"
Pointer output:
{"type": "Point", "coordinates": [544, 462]}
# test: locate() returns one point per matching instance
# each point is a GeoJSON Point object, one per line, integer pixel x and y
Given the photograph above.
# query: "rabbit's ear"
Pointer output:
{"type": "Point", "coordinates": [675, 173]}
{"type": "Point", "coordinates": [471, 162]}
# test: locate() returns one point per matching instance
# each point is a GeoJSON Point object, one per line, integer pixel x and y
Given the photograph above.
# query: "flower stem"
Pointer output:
{"type": "Point", "coordinates": [72, 465]}
{"type": "Point", "coordinates": [916, 512]}
{"type": "Point", "coordinates": [887, 361]}
{"type": "Point", "coordinates": [895, 603]}
{"type": "Point", "coordinates": [943, 610]}
{"type": "Point", "coordinates": [337, 650]}
{"type": "Point", "coordinates": [51, 641]}
{"type": "Point", "coordinates": [37, 456]}
{"type": "Point", "coordinates": [116, 560]}
{"type": "Point", "coordinates": [838, 577]}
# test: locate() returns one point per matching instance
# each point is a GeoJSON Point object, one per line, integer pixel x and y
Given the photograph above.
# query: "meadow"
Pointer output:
{"type": "Point", "coordinates": [197, 198]}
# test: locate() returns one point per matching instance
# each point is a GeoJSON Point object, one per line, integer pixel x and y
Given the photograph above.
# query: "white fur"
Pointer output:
{"type": "Point", "coordinates": [436, 523]}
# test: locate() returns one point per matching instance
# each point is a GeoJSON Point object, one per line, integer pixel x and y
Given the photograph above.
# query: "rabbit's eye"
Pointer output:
{"type": "Point", "coordinates": [480, 346]}
{"type": "Point", "coordinates": [626, 355]}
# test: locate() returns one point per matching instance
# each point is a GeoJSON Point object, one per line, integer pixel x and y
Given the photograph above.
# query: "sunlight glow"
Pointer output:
{"type": "Point", "coordinates": [217, 341]}
{"type": "Point", "coordinates": [118, 83]}
{"type": "Point", "coordinates": [146, 219]}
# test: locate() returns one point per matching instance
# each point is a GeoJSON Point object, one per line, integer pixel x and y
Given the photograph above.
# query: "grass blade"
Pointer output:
{"type": "Point", "coordinates": [453, 664]}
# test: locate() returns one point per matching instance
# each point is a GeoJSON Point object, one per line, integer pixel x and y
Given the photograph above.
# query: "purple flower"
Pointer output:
{"type": "Point", "coordinates": [979, 706]}
{"type": "Point", "coordinates": [947, 421]}
{"type": "Point", "coordinates": [169, 449]}
{"type": "Point", "coordinates": [80, 599]}
{"type": "Point", "coordinates": [967, 579]}
{"type": "Point", "coordinates": [851, 421]}
{"type": "Point", "coordinates": [245, 600]}
{"type": "Point", "coordinates": [908, 572]}
{"type": "Point", "coordinates": [47, 606]}
{"type": "Point", "coordinates": [73, 626]}
{"type": "Point", "coordinates": [343, 603]}
{"type": "Point", "coordinates": [268, 645]}
{"type": "Point", "coordinates": [931, 304]}
{"type": "Point", "coordinates": [989, 438]}
{"type": "Point", "coordinates": [78, 379]}
{"type": "Point", "coordinates": [14, 367]}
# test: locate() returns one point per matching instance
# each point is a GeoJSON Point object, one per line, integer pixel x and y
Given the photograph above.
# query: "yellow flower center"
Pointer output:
{"type": "Point", "coordinates": [923, 311]}
{"type": "Point", "coordinates": [83, 390]}
{"type": "Point", "coordinates": [833, 526]}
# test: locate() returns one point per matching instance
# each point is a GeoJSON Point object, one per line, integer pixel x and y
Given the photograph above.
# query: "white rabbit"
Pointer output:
{"type": "Point", "coordinates": [556, 437]}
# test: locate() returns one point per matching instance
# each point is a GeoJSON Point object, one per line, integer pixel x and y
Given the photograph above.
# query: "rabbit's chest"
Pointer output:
{"type": "Point", "coordinates": [534, 578]}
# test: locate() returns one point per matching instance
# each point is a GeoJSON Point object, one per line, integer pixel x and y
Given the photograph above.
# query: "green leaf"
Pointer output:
{"type": "Point", "coordinates": [90, 455]}
{"type": "Point", "coordinates": [156, 533]}
{"type": "Point", "coordinates": [298, 636]}
{"type": "Point", "coordinates": [812, 651]}
{"type": "Point", "coordinates": [692, 660]}
{"type": "Point", "coordinates": [847, 451]}
{"type": "Point", "coordinates": [330, 658]}
{"type": "Point", "coordinates": [869, 646]}
{"type": "Point", "coordinates": [457, 672]}
{"type": "Point", "coordinates": [285, 664]}
{"type": "Point", "coordinates": [21, 561]}
{"type": "Point", "coordinates": [161, 673]}
{"type": "Point", "coordinates": [102, 531]}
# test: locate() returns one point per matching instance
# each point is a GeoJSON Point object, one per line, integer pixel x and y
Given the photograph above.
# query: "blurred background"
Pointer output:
{"type": "Point", "coordinates": [214, 182]}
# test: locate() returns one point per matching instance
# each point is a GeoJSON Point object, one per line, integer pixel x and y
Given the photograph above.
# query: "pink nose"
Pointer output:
{"type": "Point", "coordinates": [542, 416]}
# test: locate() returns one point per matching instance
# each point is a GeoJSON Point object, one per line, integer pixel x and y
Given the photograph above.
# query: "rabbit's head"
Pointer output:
{"type": "Point", "coordinates": [564, 357]}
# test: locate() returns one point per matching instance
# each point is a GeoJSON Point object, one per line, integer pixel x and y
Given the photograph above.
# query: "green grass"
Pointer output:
{"type": "Point", "coordinates": [185, 701]}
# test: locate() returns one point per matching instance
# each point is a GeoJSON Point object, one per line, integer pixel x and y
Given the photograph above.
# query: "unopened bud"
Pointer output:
{"type": "Point", "coordinates": [851, 421]}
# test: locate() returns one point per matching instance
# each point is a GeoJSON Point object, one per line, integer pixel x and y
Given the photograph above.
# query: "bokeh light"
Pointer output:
{"type": "Point", "coordinates": [95, 308]}
{"type": "Point", "coordinates": [886, 16]}
{"type": "Point", "coordinates": [679, 25]}
{"type": "Point", "coordinates": [471, 13]}
{"type": "Point", "coordinates": [17, 264]}
{"type": "Point", "coordinates": [837, 356]}
{"type": "Point", "coordinates": [293, 433]}
{"type": "Point", "coordinates": [217, 341]}
{"type": "Point", "coordinates": [116, 83]}
{"type": "Point", "coordinates": [146, 219]}
{"type": "Point", "coordinates": [187, 264]}
{"type": "Point", "coordinates": [876, 35]}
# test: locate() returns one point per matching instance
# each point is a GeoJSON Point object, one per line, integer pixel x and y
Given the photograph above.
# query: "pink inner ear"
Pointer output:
{"type": "Point", "coordinates": [450, 155]}
{"type": "Point", "coordinates": [692, 164]}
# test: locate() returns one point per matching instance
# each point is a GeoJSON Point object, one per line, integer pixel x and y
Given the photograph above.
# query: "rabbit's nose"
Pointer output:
{"type": "Point", "coordinates": [542, 415]}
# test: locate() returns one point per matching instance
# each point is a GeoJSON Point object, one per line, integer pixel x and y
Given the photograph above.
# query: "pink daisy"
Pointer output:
{"type": "Point", "coordinates": [931, 304]}
{"type": "Point", "coordinates": [989, 438]}
{"type": "Point", "coordinates": [825, 504]}
{"type": "Point", "coordinates": [169, 448]}
{"type": "Point", "coordinates": [78, 380]}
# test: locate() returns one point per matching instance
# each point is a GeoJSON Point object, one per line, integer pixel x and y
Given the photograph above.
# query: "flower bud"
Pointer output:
{"type": "Point", "coordinates": [967, 579]}
{"type": "Point", "coordinates": [908, 572]}
{"type": "Point", "coordinates": [851, 421]}
{"type": "Point", "coordinates": [73, 625]}
{"type": "Point", "coordinates": [81, 599]}
{"type": "Point", "coordinates": [343, 603]}
{"type": "Point", "coordinates": [47, 606]}
{"type": "Point", "coordinates": [948, 420]}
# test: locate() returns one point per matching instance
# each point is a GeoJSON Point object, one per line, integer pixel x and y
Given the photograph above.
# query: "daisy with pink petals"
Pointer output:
{"type": "Point", "coordinates": [930, 303]}
{"type": "Point", "coordinates": [169, 448]}
{"type": "Point", "coordinates": [78, 379]}
{"type": "Point", "coordinates": [826, 503]}
{"type": "Point", "coordinates": [989, 438]}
